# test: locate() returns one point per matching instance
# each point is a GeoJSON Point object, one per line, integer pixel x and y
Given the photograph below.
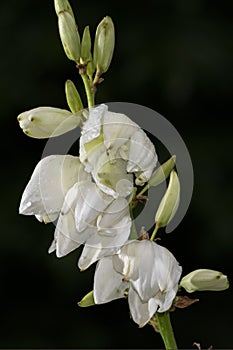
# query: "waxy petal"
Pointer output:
{"type": "Point", "coordinates": [141, 312]}
{"type": "Point", "coordinates": [90, 203]}
{"type": "Point", "coordinates": [113, 231]}
{"type": "Point", "coordinates": [51, 179]}
{"type": "Point", "coordinates": [142, 156]}
{"type": "Point", "coordinates": [108, 284]}
{"type": "Point", "coordinates": [117, 130]}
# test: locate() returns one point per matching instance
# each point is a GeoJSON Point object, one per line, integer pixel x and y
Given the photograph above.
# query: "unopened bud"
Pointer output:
{"type": "Point", "coordinates": [86, 46]}
{"type": "Point", "coordinates": [104, 44]}
{"type": "Point", "coordinates": [88, 300]}
{"type": "Point", "coordinates": [170, 201]}
{"type": "Point", "coordinates": [72, 97]}
{"type": "Point", "coordinates": [44, 122]}
{"type": "Point", "coordinates": [203, 279]}
{"type": "Point", "coordinates": [162, 172]}
{"type": "Point", "coordinates": [69, 35]}
{"type": "Point", "coordinates": [63, 5]}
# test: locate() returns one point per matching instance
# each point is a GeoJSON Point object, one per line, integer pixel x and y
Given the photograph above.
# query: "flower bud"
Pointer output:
{"type": "Point", "coordinates": [61, 6]}
{"type": "Point", "coordinates": [44, 122]}
{"type": "Point", "coordinates": [162, 172]}
{"type": "Point", "coordinates": [69, 35]}
{"type": "Point", "coordinates": [86, 46]}
{"type": "Point", "coordinates": [204, 279]}
{"type": "Point", "coordinates": [72, 97]}
{"type": "Point", "coordinates": [104, 44]}
{"type": "Point", "coordinates": [169, 203]}
{"type": "Point", "coordinates": [88, 300]}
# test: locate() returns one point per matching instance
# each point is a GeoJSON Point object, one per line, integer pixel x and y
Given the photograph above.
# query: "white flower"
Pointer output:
{"type": "Point", "coordinates": [60, 188]}
{"type": "Point", "coordinates": [147, 271]}
{"type": "Point", "coordinates": [112, 140]}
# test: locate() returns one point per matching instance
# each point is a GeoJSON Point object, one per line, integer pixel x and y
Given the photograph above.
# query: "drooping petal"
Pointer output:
{"type": "Point", "coordinates": [66, 236]}
{"type": "Point", "coordinates": [117, 130]}
{"type": "Point", "coordinates": [91, 130]}
{"type": "Point", "coordinates": [125, 262]}
{"type": "Point", "coordinates": [165, 299]}
{"type": "Point", "coordinates": [141, 312]}
{"type": "Point", "coordinates": [90, 203]}
{"type": "Point", "coordinates": [51, 179]}
{"type": "Point", "coordinates": [63, 245]}
{"type": "Point", "coordinates": [142, 157]}
{"type": "Point", "coordinates": [108, 284]}
{"type": "Point", "coordinates": [113, 231]}
{"type": "Point", "coordinates": [167, 269]}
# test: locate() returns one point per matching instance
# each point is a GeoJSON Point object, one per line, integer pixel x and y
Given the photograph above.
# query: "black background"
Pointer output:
{"type": "Point", "coordinates": [172, 56]}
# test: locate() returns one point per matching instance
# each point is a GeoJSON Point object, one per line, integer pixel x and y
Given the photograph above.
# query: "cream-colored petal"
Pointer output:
{"type": "Point", "coordinates": [142, 157]}
{"type": "Point", "coordinates": [51, 179]}
{"type": "Point", "coordinates": [112, 233]}
{"type": "Point", "coordinates": [91, 254]}
{"type": "Point", "coordinates": [108, 284]}
{"type": "Point", "coordinates": [91, 129]}
{"type": "Point", "coordinates": [141, 312]}
{"type": "Point", "coordinates": [90, 203]}
{"type": "Point", "coordinates": [117, 129]}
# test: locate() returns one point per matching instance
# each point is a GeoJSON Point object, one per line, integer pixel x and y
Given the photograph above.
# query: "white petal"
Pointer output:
{"type": "Point", "coordinates": [66, 236]}
{"type": "Point", "coordinates": [50, 181]}
{"type": "Point", "coordinates": [90, 203]}
{"type": "Point", "coordinates": [117, 129]}
{"type": "Point", "coordinates": [142, 156]}
{"type": "Point", "coordinates": [92, 254]}
{"type": "Point", "coordinates": [116, 219]}
{"type": "Point", "coordinates": [167, 269]}
{"type": "Point", "coordinates": [111, 176]}
{"type": "Point", "coordinates": [65, 245]}
{"type": "Point", "coordinates": [125, 262]}
{"type": "Point", "coordinates": [165, 300]}
{"type": "Point", "coordinates": [141, 312]}
{"type": "Point", "coordinates": [108, 284]}
{"type": "Point", "coordinates": [91, 129]}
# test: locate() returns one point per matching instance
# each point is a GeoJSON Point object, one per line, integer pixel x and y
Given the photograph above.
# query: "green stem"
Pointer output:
{"type": "Point", "coordinates": [166, 331]}
{"type": "Point", "coordinates": [88, 90]}
{"type": "Point", "coordinates": [143, 190]}
{"type": "Point", "coordinates": [154, 232]}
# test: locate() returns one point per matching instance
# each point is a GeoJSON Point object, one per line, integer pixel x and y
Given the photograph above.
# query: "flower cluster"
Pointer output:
{"type": "Point", "coordinates": [92, 196]}
{"type": "Point", "coordinates": [89, 194]}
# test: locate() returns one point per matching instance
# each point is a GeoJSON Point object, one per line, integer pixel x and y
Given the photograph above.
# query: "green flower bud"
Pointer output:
{"type": "Point", "coordinates": [62, 5]}
{"type": "Point", "coordinates": [104, 44]}
{"type": "Point", "coordinates": [88, 300]}
{"type": "Point", "coordinates": [72, 97]}
{"type": "Point", "coordinates": [204, 279]}
{"type": "Point", "coordinates": [162, 172]}
{"type": "Point", "coordinates": [170, 201]}
{"type": "Point", "coordinates": [44, 122]}
{"type": "Point", "coordinates": [69, 35]}
{"type": "Point", "coordinates": [86, 46]}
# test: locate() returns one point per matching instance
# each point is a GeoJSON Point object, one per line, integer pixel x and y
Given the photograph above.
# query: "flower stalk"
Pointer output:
{"type": "Point", "coordinates": [166, 331]}
{"type": "Point", "coordinates": [88, 89]}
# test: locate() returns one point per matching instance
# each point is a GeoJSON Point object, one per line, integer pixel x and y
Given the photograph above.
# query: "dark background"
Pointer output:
{"type": "Point", "coordinates": [172, 56]}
